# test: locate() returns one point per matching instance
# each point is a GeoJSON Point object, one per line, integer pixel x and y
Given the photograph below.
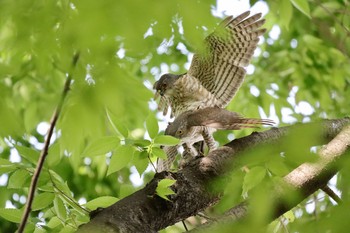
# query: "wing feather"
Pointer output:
{"type": "Point", "coordinates": [220, 69]}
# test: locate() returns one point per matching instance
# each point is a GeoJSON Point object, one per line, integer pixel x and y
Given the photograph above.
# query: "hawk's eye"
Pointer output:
{"type": "Point", "coordinates": [179, 132]}
{"type": "Point", "coordinates": [164, 85]}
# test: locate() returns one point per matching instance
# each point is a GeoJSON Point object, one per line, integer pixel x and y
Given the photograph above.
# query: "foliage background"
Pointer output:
{"type": "Point", "coordinates": [301, 73]}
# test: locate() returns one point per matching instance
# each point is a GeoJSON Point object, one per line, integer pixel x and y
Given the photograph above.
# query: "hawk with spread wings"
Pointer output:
{"type": "Point", "coordinates": [214, 76]}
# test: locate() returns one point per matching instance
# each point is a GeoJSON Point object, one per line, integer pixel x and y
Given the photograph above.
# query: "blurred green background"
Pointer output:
{"type": "Point", "coordinates": [101, 147]}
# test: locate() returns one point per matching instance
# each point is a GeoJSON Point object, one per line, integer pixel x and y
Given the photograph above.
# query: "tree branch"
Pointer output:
{"type": "Point", "coordinates": [44, 152]}
{"type": "Point", "coordinates": [304, 180]}
{"type": "Point", "coordinates": [143, 211]}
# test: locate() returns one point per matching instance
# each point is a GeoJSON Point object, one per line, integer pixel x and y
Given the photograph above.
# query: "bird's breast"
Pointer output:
{"type": "Point", "coordinates": [187, 93]}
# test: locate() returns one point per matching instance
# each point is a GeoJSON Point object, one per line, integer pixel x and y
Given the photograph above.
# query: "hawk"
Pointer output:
{"type": "Point", "coordinates": [196, 125]}
{"type": "Point", "coordinates": [215, 75]}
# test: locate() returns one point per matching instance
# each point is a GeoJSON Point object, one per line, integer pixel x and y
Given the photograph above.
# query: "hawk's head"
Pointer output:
{"type": "Point", "coordinates": [179, 127]}
{"type": "Point", "coordinates": [165, 83]}
{"type": "Point", "coordinates": [176, 129]}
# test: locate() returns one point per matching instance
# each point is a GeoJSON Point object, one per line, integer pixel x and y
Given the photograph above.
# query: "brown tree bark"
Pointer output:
{"type": "Point", "coordinates": [143, 211]}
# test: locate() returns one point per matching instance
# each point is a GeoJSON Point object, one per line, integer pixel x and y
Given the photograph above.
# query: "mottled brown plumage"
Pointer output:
{"type": "Point", "coordinates": [197, 125]}
{"type": "Point", "coordinates": [216, 74]}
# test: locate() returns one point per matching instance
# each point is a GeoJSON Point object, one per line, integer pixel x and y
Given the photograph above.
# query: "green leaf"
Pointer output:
{"type": "Point", "coordinates": [60, 208]}
{"type": "Point", "coordinates": [327, 8]}
{"type": "Point", "coordinates": [152, 126]}
{"type": "Point", "coordinates": [120, 158]}
{"type": "Point", "coordinates": [277, 167]}
{"type": "Point", "coordinates": [301, 153]}
{"type": "Point", "coordinates": [311, 40]}
{"type": "Point", "coordinates": [68, 229]}
{"type": "Point", "coordinates": [289, 215]}
{"type": "Point", "coordinates": [30, 117]}
{"type": "Point", "coordinates": [303, 6]}
{"type": "Point", "coordinates": [54, 155]}
{"type": "Point", "coordinates": [117, 125]}
{"type": "Point", "coordinates": [60, 184]}
{"type": "Point", "coordinates": [253, 178]}
{"type": "Point", "coordinates": [101, 146]}
{"type": "Point", "coordinates": [5, 162]}
{"type": "Point", "coordinates": [19, 179]}
{"type": "Point", "coordinates": [286, 12]}
{"type": "Point", "coordinates": [12, 215]}
{"type": "Point", "coordinates": [273, 226]}
{"type": "Point", "coordinates": [159, 153]}
{"type": "Point", "coordinates": [29, 154]}
{"type": "Point", "coordinates": [6, 166]}
{"type": "Point", "coordinates": [31, 227]}
{"type": "Point", "coordinates": [54, 222]}
{"type": "Point", "coordinates": [166, 140]}
{"type": "Point", "coordinates": [141, 142]}
{"type": "Point", "coordinates": [42, 200]}
{"type": "Point", "coordinates": [122, 129]}
{"type": "Point", "coordinates": [14, 124]}
{"type": "Point", "coordinates": [141, 161]}
{"type": "Point", "coordinates": [103, 202]}
{"type": "Point", "coordinates": [163, 188]}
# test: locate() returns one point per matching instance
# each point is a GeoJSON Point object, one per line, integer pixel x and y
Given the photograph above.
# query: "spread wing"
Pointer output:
{"type": "Point", "coordinates": [220, 69]}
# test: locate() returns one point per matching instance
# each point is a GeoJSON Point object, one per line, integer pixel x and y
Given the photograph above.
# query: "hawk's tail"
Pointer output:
{"type": "Point", "coordinates": [240, 123]}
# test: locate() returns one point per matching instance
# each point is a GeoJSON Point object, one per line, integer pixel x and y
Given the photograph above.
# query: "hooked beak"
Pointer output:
{"type": "Point", "coordinates": [156, 95]}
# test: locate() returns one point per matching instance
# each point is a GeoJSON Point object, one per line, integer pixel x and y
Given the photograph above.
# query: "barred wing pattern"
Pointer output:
{"type": "Point", "coordinates": [165, 164]}
{"type": "Point", "coordinates": [229, 49]}
{"type": "Point", "coordinates": [215, 76]}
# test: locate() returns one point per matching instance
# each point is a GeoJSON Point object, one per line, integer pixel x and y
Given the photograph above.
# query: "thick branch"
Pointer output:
{"type": "Point", "coordinates": [305, 180]}
{"type": "Point", "coordinates": [43, 154]}
{"type": "Point", "coordinates": [143, 211]}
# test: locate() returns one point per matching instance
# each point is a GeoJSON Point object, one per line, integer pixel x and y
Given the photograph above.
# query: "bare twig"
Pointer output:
{"type": "Point", "coordinates": [44, 151]}
{"type": "Point", "coordinates": [184, 224]}
{"type": "Point", "coordinates": [149, 159]}
{"type": "Point", "coordinates": [332, 194]}
{"type": "Point", "coordinates": [333, 16]}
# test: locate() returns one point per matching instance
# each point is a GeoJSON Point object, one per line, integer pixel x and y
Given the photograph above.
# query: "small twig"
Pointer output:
{"type": "Point", "coordinates": [62, 220]}
{"type": "Point", "coordinates": [283, 225]}
{"type": "Point", "coordinates": [199, 214]}
{"type": "Point", "coordinates": [314, 197]}
{"type": "Point", "coordinates": [334, 18]}
{"type": "Point", "coordinates": [44, 151]}
{"type": "Point", "coordinates": [154, 167]}
{"type": "Point", "coordinates": [332, 194]}
{"type": "Point", "coordinates": [183, 223]}
{"type": "Point", "coordinates": [72, 203]}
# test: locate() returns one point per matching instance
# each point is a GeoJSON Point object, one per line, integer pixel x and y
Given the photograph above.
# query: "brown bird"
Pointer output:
{"type": "Point", "coordinates": [196, 125]}
{"type": "Point", "coordinates": [216, 74]}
